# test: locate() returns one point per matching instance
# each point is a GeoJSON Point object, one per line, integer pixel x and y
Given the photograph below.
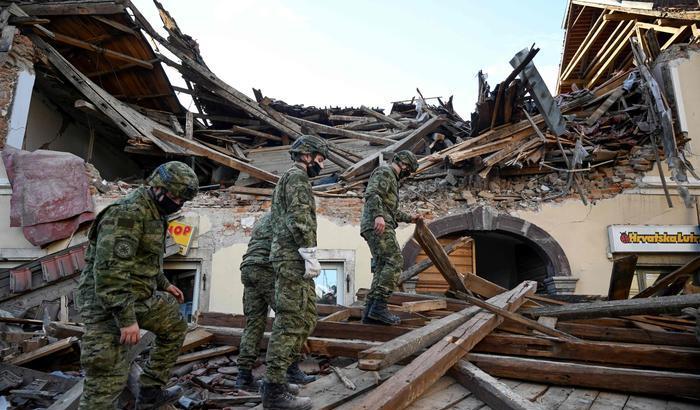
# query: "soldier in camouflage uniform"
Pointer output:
{"type": "Point", "coordinates": [123, 289]}
{"type": "Point", "coordinates": [293, 256]}
{"type": "Point", "coordinates": [380, 217]}
{"type": "Point", "coordinates": [258, 278]}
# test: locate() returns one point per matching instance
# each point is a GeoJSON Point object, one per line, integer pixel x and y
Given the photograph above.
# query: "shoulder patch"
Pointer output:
{"type": "Point", "coordinates": [124, 248]}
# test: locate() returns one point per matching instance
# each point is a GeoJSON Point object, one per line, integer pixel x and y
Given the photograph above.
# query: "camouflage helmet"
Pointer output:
{"type": "Point", "coordinates": [176, 178]}
{"type": "Point", "coordinates": [408, 158]}
{"type": "Point", "coordinates": [308, 144]}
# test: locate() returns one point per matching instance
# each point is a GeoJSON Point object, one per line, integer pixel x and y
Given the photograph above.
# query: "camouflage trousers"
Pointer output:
{"type": "Point", "coordinates": [103, 358]}
{"type": "Point", "coordinates": [387, 262]}
{"type": "Point", "coordinates": [258, 297]}
{"type": "Point", "coordinates": [295, 318]}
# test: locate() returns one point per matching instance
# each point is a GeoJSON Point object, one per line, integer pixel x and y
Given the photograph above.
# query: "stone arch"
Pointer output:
{"type": "Point", "coordinates": [488, 219]}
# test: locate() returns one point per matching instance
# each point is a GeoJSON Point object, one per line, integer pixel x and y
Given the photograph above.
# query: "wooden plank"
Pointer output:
{"type": "Point", "coordinates": [338, 316]}
{"type": "Point", "coordinates": [326, 129]}
{"type": "Point", "coordinates": [423, 305]}
{"type": "Point", "coordinates": [73, 8]}
{"type": "Point", "coordinates": [368, 164]}
{"type": "Point", "coordinates": [554, 396]}
{"type": "Point", "coordinates": [585, 45]}
{"type": "Point", "coordinates": [196, 338]}
{"type": "Point", "coordinates": [437, 254]}
{"type": "Point", "coordinates": [609, 401]}
{"type": "Point", "coordinates": [609, 353]}
{"type": "Point", "coordinates": [663, 283]}
{"type": "Point", "coordinates": [44, 351]}
{"type": "Point", "coordinates": [385, 118]}
{"type": "Point", "coordinates": [531, 324]}
{"type": "Point", "coordinates": [116, 25]}
{"type": "Point", "coordinates": [621, 278]}
{"type": "Point", "coordinates": [216, 156]}
{"type": "Point", "coordinates": [617, 308]}
{"type": "Point", "coordinates": [645, 403]}
{"type": "Point", "coordinates": [205, 354]}
{"type": "Point", "coordinates": [61, 38]}
{"type": "Point", "coordinates": [488, 389]}
{"type": "Point", "coordinates": [579, 399]}
{"type": "Point", "coordinates": [404, 346]}
{"type": "Point", "coordinates": [591, 376]}
{"type": "Point", "coordinates": [425, 264]}
{"type": "Point", "coordinates": [628, 335]}
{"type": "Point", "coordinates": [414, 379]}
{"type": "Point", "coordinates": [189, 125]}
{"type": "Point", "coordinates": [255, 133]}
{"type": "Point", "coordinates": [445, 393]}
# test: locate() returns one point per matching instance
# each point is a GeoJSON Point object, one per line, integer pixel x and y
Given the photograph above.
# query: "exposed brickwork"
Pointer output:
{"type": "Point", "coordinates": [22, 56]}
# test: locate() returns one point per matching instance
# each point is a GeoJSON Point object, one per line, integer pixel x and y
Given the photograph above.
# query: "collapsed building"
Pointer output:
{"type": "Point", "coordinates": [573, 192]}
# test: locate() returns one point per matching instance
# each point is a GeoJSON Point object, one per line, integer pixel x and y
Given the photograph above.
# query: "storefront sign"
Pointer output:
{"type": "Point", "coordinates": [654, 238]}
{"type": "Point", "coordinates": [182, 234]}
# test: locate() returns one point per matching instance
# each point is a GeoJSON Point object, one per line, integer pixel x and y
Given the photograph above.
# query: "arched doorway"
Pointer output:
{"type": "Point", "coordinates": [507, 249]}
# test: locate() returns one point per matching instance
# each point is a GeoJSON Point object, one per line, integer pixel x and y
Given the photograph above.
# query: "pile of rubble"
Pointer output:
{"type": "Point", "coordinates": [521, 146]}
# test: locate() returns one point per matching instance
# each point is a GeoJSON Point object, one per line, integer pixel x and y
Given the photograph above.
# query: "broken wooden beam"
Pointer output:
{"type": "Point", "coordinates": [216, 156]}
{"type": "Point", "coordinates": [423, 305]}
{"type": "Point", "coordinates": [621, 278]}
{"type": "Point", "coordinates": [617, 308]}
{"type": "Point", "coordinates": [385, 118]}
{"type": "Point", "coordinates": [531, 324]}
{"type": "Point", "coordinates": [607, 353]}
{"type": "Point", "coordinates": [412, 342]}
{"type": "Point", "coordinates": [196, 338]}
{"type": "Point", "coordinates": [437, 254]}
{"type": "Point", "coordinates": [205, 354]}
{"type": "Point", "coordinates": [44, 351]}
{"type": "Point", "coordinates": [426, 263]}
{"type": "Point", "coordinates": [586, 375]}
{"type": "Point", "coordinates": [413, 380]}
{"type": "Point", "coordinates": [370, 163]}
{"type": "Point", "coordinates": [326, 129]}
{"type": "Point", "coordinates": [663, 283]}
{"type": "Point", "coordinates": [628, 335]}
{"type": "Point", "coordinates": [488, 389]}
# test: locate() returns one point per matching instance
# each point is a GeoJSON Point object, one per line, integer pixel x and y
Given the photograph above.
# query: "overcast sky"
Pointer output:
{"type": "Point", "coordinates": [349, 53]}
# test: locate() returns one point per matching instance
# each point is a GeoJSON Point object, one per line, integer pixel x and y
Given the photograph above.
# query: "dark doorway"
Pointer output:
{"type": "Point", "coordinates": [507, 260]}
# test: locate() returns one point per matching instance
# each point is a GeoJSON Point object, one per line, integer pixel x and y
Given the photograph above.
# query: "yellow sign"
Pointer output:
{"type": "Point", "coordinates": [182, 234]}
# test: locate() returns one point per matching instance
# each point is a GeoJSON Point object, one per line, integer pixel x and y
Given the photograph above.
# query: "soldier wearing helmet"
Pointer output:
{"type": "Point", "coordinates": [122, 289]}
{"type": "Point", "coordinates": [380, 217]}
{"type": "Point", "coordinates": [293, 257]}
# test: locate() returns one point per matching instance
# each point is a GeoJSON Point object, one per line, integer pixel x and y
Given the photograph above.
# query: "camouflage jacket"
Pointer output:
{"type": "Point", "coordinates": [124, 259]}
{"type": "Point", "coordinates": [258, 252]}
{"type": "Point", "coordinates": [382, 199]}
{"type": "Point", "coordinates": [293, 216]}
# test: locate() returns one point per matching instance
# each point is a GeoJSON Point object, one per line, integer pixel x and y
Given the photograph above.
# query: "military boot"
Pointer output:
{"type": "Point", "coordinates": [297, 376]}
{"type": "Point", "coordinates": [246, 381]}
{"type": "Point", "coordinates": [381, 314]}
{"type": "Point", "coordinates": [276, 396]}
{"type": "Point", "coordinates": [365, 312]}
{"type": "Point", "coordinates": [155, 397]}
